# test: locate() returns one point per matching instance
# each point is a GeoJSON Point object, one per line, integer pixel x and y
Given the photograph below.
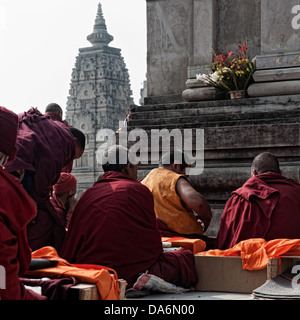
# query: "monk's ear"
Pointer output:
{"type": "Point", "coordinates": [253, 172]}
{"type": "Point", "coordinates": [176, 167]}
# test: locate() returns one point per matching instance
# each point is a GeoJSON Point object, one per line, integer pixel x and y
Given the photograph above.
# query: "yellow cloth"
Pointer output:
{"type": "Point", "coordinates": [167, 203]}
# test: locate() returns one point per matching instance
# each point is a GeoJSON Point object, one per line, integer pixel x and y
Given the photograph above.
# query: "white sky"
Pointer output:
{"type": "Point", "coordinates": [39, 42]}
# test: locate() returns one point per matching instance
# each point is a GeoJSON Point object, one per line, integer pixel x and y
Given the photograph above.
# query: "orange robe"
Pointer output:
{"type": "Point", "coordinates": [167, 203]}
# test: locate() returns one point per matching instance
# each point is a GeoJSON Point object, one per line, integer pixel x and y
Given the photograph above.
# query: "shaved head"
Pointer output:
{"type": "Point", "coordinates": [54, 107]}
{"type": "Point", "coordinates": [265, 162]}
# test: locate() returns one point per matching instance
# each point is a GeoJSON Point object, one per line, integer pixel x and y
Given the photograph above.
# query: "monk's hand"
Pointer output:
{"type": "Point", "coordinates": [201, 224]}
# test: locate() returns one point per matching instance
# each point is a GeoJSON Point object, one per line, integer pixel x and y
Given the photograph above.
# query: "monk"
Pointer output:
{"type": "Point", "coordinates": [266, 206]}
{"type": "Point", "coordinates": [44, 148]}
{"type": "Point", "coordinates": [63, 197]}
{"type": "Point", "coordinates": [16, 210]}
{"type": "Point", "coordinates": [54, 111]}
{"type": "Point", "coordinates": [179, 208]}
{"type": "Point", "coordinates": [114, 225]}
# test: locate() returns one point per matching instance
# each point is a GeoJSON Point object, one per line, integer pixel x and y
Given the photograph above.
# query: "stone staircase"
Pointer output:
{"type": "Point", "coordinates": [235, 131]}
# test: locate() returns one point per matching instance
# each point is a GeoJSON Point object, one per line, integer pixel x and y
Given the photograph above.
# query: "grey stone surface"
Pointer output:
{"type": "Point", "coordinates": [169, 45]}
{"type": "Point", "coordinates": [204, 93]}
{"type": "Point", "coordinates": [193, 83]}
{"type": "Point", "coordinates": [195, 295]}
{"type": "Point", "coordinates": [276, 61]}
{"type": "Point", "coordinates": [278, 34]}
{"type": "Point", "coordinates": [277, 74]}
{"type": "Point", "coordinates": [239, 20]}
{"type": "Point", "coordinates": [274, 88]}
{"type": "Point", "coordinates": [204, 30]}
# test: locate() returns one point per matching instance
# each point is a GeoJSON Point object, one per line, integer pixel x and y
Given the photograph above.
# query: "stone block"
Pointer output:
{"type": "Point", "coordinates": [202, 93]}
{"type": "Point", "coordinates": [280, 60]}
{"type": "Point", "coordinates": [274, 88]}
{"type": "Point", "coordinates": [194, 83]}
{"type": "Point", "coordinates": [277, 74]}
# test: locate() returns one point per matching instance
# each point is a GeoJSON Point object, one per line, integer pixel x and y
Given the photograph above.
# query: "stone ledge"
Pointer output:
{"type": "Point", "coordinates": [274, 88]}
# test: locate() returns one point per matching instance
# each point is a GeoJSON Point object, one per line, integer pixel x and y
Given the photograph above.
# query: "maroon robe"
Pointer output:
{"type": "Point", "coordinates": [266, 206]}
{"type": "Point", "coordinates": [44, 148]}
{"type": "Point", "coordinates": [54, 116]}
{"type": "Point", "coordinates": [114, 225]}
{"type": "Point", "coordinates": [61, 210]}
{"type": "Point", "coordinates": [16, 210]}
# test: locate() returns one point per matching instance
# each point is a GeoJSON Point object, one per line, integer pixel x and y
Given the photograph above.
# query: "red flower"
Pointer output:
{"type": "Point", "coordinates": [243, 48]}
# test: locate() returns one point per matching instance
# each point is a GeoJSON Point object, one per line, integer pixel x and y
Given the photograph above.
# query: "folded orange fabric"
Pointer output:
{"type": "Point", "coordinates": [106, 279]}
{"type": "Point", "coordinates": [256, 252]}
{"type": "Point", "coordinates": [195, 245]}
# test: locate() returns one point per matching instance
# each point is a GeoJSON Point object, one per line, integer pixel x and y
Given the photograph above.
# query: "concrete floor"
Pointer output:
{"type": "Point", "coordinates": [196, 295]}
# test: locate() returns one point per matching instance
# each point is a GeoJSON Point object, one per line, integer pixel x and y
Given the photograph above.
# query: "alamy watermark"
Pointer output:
{"type": "Point", "coordinates": [296, 278]}
{"type": "Point", "coordinates": [146, 147]}
{"type": "Point", "coordinates": [296, 19]}
{"type": "Point", "coordinates": [2, 278]}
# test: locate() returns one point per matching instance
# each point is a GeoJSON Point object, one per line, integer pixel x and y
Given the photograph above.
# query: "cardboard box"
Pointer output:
{"type": "Point", "coordinates": [226, 274]}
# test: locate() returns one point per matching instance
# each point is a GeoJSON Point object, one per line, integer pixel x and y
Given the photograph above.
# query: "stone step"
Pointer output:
{"type": "Point", "coordinates": [222, 105]}
{"type": "Point", "coordinates": [215, 113]}
{"type": "Point", "coordinates": [215, 121]}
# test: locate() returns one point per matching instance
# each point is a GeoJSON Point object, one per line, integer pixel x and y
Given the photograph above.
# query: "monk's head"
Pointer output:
{"type": "Point", "coordinates": [79, 138]}
{"type": "Point", "coordinates": [265, 162]}
{"type": "Point", "coordinates": [176, 161]}
{"type": "Point", "coordinates": [54, 108]}
{"type": "Point", "coordinates": [120, 159]}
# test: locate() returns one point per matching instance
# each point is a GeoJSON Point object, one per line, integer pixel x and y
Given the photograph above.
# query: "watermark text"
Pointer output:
{"type": "Point", "coordinates": [296, 19]}
{"type": "Point", "coordinates": [146, 147]}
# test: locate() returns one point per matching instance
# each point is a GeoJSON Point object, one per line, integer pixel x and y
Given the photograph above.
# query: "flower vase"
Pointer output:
{"type": "Point", "coordinates": [239, 94]}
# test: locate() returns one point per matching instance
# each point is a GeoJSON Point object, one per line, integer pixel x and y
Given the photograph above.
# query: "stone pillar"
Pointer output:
{"type": "Point", "coordinates": [278, 66]}
{"type": "Point", "coordinates": [204, 38]}
{"type": "Point", "coordinates": [169, 46]}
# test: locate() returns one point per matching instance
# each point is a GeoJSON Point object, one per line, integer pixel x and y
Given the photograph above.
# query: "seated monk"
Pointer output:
{"type": "Point", "coordinates": [266, 206]}
{"type": "Point", "coordinates": [16, 210]}
{"type": "Point", "coordinates": [44, 148]}
{"type": "Point", "coordinates": [114, 225]}
{"type": "Point", "coordinates": [180, 209]}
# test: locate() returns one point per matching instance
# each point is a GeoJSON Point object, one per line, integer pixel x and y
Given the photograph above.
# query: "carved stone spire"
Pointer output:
{"type": "Point", "coordinates": [100, 36]}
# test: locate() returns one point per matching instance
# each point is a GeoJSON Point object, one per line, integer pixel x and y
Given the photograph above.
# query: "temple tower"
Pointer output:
{"type": "Point", "coordinates": [100, 95]}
